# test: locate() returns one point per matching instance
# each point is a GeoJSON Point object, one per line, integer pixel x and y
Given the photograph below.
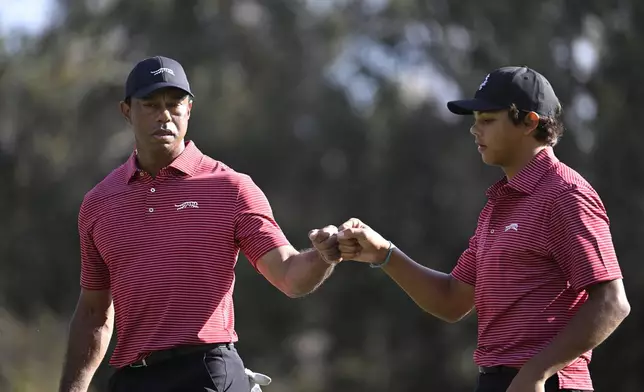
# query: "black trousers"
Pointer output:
{"type": "Point", "coordinates": [500, 382]}
{"type": "Point", "coordinates": [216, 370]}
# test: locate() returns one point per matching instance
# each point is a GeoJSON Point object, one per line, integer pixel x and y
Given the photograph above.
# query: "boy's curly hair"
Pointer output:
{"type": "Point", "coordinates": [549, 130]}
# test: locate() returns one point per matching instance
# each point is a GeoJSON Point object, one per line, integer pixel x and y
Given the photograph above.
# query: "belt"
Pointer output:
{"type": "Point", "coordinates": [497, 369]}
{"type": "Point", "coordinates": [164, 355]}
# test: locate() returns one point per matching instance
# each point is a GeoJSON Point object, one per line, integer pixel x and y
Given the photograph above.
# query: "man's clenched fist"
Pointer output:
{"type": "Point", "coordinates": [325, 241]}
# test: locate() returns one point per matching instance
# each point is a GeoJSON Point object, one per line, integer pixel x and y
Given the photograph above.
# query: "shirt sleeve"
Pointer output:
{"type": "Point", "coordinates": [256, 231]}
{"type": "Point", "coordinates": [465, 269]}
{"type": "Point", "coordinates": [579, 239]}
{"type": "Point", "coordinates": [94, 272]}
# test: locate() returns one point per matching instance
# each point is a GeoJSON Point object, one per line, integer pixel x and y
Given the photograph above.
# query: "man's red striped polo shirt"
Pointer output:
{"type": "Point", "coordinates": [167, 247]}
{"type": "Point", "coordinates": [541, 239]}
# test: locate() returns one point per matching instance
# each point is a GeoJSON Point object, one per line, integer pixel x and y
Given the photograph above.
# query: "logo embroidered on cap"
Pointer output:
{"type": "Point", "coordinates": [187, 204]}
{"type": "Point", "coordinates": [162, 70]}
{"type": "Point", "coordinates": [484, 81]}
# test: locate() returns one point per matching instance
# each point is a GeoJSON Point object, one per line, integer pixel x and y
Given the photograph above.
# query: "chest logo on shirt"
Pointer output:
{"type": "Point", "coordinates": [512, 226]}
{"type": "Point", "coordinates": [187, 204]}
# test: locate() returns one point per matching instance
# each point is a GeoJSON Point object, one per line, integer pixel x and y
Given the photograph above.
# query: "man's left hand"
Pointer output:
{"type": "Point", "coordinates": [525, 383]}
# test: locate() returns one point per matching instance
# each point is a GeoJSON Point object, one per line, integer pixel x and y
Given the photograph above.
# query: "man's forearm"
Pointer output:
{"type": "Point", "coordinates": [593, 323]}
{"type": "Point", "coordinates": [86, 348]}
{"type": "Point", "coordinates": [306, 272]}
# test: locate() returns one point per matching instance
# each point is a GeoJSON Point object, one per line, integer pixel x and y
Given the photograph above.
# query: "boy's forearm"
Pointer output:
{"type": "Point", "coordinates": [430, 289]}
{"type": "Point", "coordinates": [596, 320]}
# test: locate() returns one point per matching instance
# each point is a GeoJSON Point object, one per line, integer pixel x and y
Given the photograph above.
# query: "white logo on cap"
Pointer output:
{"type": "Point", "coordinates": [484, 82]}
{"type": "Point", "coordinates": [162, 70]}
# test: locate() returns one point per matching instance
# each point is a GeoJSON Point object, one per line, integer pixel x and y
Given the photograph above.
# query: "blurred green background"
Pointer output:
{"type": "Point", "coordinates": [336, 108]}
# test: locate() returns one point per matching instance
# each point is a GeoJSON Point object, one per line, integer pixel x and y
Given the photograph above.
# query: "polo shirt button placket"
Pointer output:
{"type": "Point", "coordinates": [151, 190]}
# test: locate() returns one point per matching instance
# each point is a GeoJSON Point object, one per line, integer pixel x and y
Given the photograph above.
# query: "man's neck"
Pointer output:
{"type": "Point", "coordinates": [521, 161]}
{"type": "Point", "coordinates": [152, 161]}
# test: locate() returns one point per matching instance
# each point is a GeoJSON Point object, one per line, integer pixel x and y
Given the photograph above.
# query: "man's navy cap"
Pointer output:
{"type": "Point", "coordinates": [523, 87]}
{"type": "Point", "coordinates": [154, 73]}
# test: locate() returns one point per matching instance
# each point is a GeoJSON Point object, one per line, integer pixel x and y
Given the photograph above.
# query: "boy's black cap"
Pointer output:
{"type": "Point", "coordinates": [524, 87]}
{"type": "Point", "coordinates": [153, 73]}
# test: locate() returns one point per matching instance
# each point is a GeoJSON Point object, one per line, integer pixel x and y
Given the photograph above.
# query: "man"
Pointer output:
{"type": "Point", "coordinates": [540, 268]}
{"type": "Point", "coordinates": [160, 237]}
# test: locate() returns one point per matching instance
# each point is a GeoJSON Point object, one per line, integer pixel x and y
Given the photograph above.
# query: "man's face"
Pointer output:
{"type": "Point", "coordinates": [499, 140]}
{"type": "Point", "coordinates": [160, 120]}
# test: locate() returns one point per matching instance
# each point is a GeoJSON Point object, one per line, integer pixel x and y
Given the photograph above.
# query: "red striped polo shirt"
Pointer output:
{"type": "Point", "coordinates": [541, 239]}
{"type": "Point", "coordinates": [167, 246]}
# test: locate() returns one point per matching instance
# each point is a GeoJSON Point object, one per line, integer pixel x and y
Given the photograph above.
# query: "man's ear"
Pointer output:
{"type": "Point", "coordinates": [531, 122]}
{"type": "Point", "coordinates": [189, 107]}
{"type": "Point", "coordinates": [125, 111]}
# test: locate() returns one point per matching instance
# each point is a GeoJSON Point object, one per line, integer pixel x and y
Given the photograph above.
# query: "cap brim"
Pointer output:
{"type": "Point", "coordinates": [144, 92]}
{"type": "Point", "coordinates": [469, 106]}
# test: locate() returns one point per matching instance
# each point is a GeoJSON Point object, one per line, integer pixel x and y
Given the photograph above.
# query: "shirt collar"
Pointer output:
{"type": "Point", "coordinates": [526, 180]}
{"type": "Point", "coordinates": [187, 162]}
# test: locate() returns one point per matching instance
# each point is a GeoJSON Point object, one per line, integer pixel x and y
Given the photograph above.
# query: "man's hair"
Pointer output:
{"type": "Point", "coordinates": [549, 130]}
